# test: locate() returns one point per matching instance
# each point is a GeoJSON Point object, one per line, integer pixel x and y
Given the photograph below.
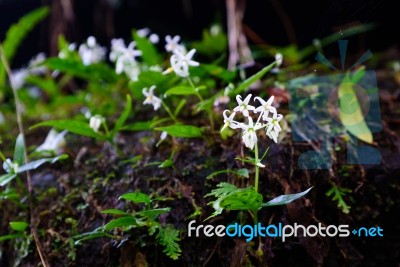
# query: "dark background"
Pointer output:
{"type": "Point", "coordinates": [106, 19]}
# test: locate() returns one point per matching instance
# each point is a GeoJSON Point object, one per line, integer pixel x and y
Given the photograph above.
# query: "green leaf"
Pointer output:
{"type": "Point", "coordinates": [114, 212]}
{"type": "Point", "coordinates": [73, 126]}
{"type": "Point", "coordinates": [337, 193]}
{"type": "Point", "coordinates": [242, 199]}
{"type": "Point", "coordinates": [19, 226]}
{"type": "Point", "coordinates": [136, 197]}
{"type": "Point", "coordinates": [149, 51]}
{"type": "Point", "coordinates": [12, 236]}
{"type": "Point", "coordinates": [138, 126]}
{"type": "Point", "coordinates": [93, 72]}
{"type": "Point", "coordinates": [166, 163]}
{"type": "Point", "coordinates": [285, 199]}
{"type": "Point", "coordinates": [350, 112]}
{"type": "Point", "coordinates": [180, 90]}
{"type": "Point", "coordinates": [249, 81]}
{"type": "Point", "coordinates": [124, 116]}
{"type": "Point", "coordinates": [37, 163]}
{"type": "Point", "coordinates": [219, 72]}
{"type": "Point", "coordinates": [126, 221]}
{"type": "Point", "coordinates": [17, 33]}
{"type": "Point", "coordinates": [47, 84]}
{"type": "Point", "coordinates": [242, 172]}
{"type": "Point", "coordinates": [169, 238]}
{"type": "Point", "coordinates": [6, 178]}
{"type": "Point", "coordinates": [232, 198]}
{"type": "Point", "coordinates": [99, 232]}
{"type": "Point", "coordinates": [211, 44]}
{"type": "Point", "coordinates": [179, 130]}
{"type": "Point", "coordinates": [154, 212]}
{"type": "Point", "coordinates": [179, 107]}
{"type": "Point", "coordinates": [19, 150]}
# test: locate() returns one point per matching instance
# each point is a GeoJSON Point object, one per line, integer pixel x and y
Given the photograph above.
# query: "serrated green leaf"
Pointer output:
{"type": "Point", "coordinates": [179, 130]}
{"type": "Point", "coordinates": [114, 212]}
{"type": "Point", "coordinates": [126, 221]}
{"type": "Point", "coordinates": [285, 199]}
{"type": "Point", "coordinates": [136, 197]}
{"type": "Point", "coordinates": [242, 199]}
{"type": "Point", "coordinates": [169, 238]}
{"type": "Point", "coordinates": [17, 33]}
{"type": "Point", "coordinates": [124, 116]}
{"type": "Point", "coordinates": [19, 150]}
{"type": "Point", "coordinates": [149, 51]}
{"type": "Point", "coordinates": [19, 226]}
{"type": "Point", "coordinates": [73, 126]}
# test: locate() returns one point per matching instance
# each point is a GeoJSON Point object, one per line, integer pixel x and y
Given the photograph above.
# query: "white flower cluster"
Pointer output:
{"type": "Point", "coordinates": [125, 58]}
{"type": "Point", "coordinates": [33, 68]}
{"type": "Point", "coordinates": [90, 52]}
{"type": "Point", "coordinates": [180, 59]}
{"type": "Point", "coordinates": [249, 136]}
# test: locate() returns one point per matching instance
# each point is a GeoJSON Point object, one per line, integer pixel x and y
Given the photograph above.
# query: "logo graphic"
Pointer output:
{"type": "Point", "coordinates": [327, 107]}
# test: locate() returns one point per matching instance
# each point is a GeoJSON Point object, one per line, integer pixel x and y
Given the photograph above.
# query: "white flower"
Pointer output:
{"type": "Point", "coordinates": [163, 135]}
{"type": "Point", "coordinates": [259, 164]}
{"type": "Point", "coordinates": [95, 122]}
{"type": "Point", "coordinates": [143, 32]}
{"type": "Point", "coordinates": [229, 122]}
{"type": "Point", "coordinates": [10, 166]}
{"type": "Point", "coordinates": [266, 107]}
{"type": "Point", "coordinates": [127, 57]}
{"type": "Point", "coordinates": [249, 135]}
{"type": "Point", "coordinates": [180, 62]}
{"type": "Point", "coordinates": [273, 135]}
{"type": "Point", "coordinates": [132, 70]}
{"type": "Point", "coordinates": [243, 105]}
{"type": "Point", "coordinates": [173, 43]}
{"type": "Point", "coordinates": [278, 59]}
{"type": "Point", "coordinates": [35, 61]}
{"type": "Point", "coordinates": [154, 38]}
{"type": "Point", "coordinates": [18, 78]}
{"type": "Point", "coordinates": [54, 142]}
{"type": "Point", "coordinates": [117, 47]}
{"type": "Point", "coordinates": [91, 52]}
{"type": "Point", "coordinates": [151, 98]}
{"type": "Point", "coordinates": [273, 128]}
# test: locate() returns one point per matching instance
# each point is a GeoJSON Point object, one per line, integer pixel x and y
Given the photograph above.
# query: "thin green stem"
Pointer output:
{"type": "Point", "coordinates": [257, 168]}
{"type": "Point", "coordinates": [194, 88]}
{"type": "Point", "coordinates": [210, 116]}
{"type": "Point", "coordinates": [106, 128]}
{"type": "Point", "coordinates": [168, 110]}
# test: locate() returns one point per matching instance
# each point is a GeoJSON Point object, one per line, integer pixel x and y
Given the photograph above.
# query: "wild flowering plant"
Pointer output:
{"type": "Point", "coordinates": [267, 119]}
